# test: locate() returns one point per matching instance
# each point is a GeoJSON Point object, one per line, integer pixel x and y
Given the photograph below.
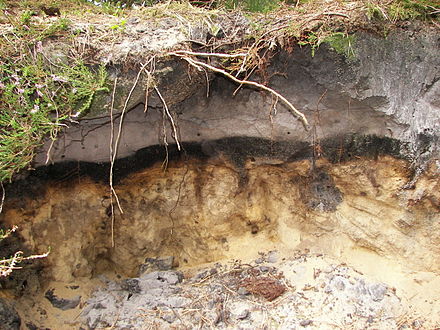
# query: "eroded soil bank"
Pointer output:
{"type": "Point", "coordinates": [209, 209]}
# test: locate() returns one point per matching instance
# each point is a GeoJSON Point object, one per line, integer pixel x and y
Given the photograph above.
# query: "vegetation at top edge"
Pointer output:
{"type": "Point", "coordinates": [36, 94]}
{"type": "Point", "coordinates": [341, 43]}
{"type": "Point", "coordinates": [400, 10]}
{"type": "Point", "coordinates": [256, 6]}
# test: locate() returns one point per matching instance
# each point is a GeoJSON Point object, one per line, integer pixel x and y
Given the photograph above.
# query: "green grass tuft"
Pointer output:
{"type": "Point", "coordinates": [35, 98]}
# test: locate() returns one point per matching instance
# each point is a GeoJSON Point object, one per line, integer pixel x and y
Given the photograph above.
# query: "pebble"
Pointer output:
{"type": "Point", "coordinates": [170, 277]}
{"type": "Point", "coordinates": [272, 257]}
{"type": "Point", "coordinates": [339, 283]}
{"type": "Point", "coordinates": [62, 303]}
{"type": "Point", "coordinates": [377, 291]}
{"type": "Point", "coordinates": [244, 314]}
{"type": "Point", "coordinates": [305, 323]}
{"type": "Point", "coordinates": [242, 291]}
{"type": "Point", "coordinates": [170, 318]}
{"type": "Point", "coordinates": [131, 285]}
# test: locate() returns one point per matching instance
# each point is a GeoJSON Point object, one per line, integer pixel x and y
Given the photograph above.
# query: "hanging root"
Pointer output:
{"type": "Point", "coordinates": [170, 118]}
{"type": "Point", "coordinates": [202, 65]}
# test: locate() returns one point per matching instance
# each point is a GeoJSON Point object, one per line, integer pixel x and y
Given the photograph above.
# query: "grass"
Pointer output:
{"type": "Point", "coordinates": [252, 6]}
{"type": "Point", "coordinates": [402, 10]}
{"type": "Point", "coordinates": [341, 43]}
{"type": "Point", "coordinates": [38, 94]}
{"type": "Point", "coordinates": [35, 99]}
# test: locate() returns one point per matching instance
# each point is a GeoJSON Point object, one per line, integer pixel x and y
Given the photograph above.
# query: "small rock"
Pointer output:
{"type": "Point", "coordinates": [165, 263]}
{"type": "Point", "coordinates": [133, 20]}
{"type": "Point", "coordinates": [131, 285]}
{"type": "Point", "coordinates": [176, 302]}
{"type": "Point", "coordinates": [244, 314]}
{"type": "Point", "coordinates": [272, 257]}
{"type": "Point", "coordinates": [170, 277]}
{"type": "Point", "coordinates": [377, 291]}
{"type": "Point", "coordinates": [242, 291]}
{"type": "Point", "coordinates": [9, 318]}
{"type": "Point", "coordinates": [417, 324]}
{"type": "Point", "coordinates": [264, 268]}
{"type": "Point", "coordinates": [339, 283]}
{"type": "Point", "coordinates": [202, 275]}
{"type": "Point", "coordinates": [259, 260]}
{"type": "Point", "coordinates": [61, 303]}
{"type": "Point", "coordinates": [31, 326]}
{"type": "Point", "coordinates": [155, 264]}
{"type": "Point", "coordinates": [305, 323]}
{"type": "Point", "coordinates": [141, 29]}
{"type": "Point", "coordinates": [99, 306]}
{"type": "Point", "coordinates": [359, 288]}
{"type": "Point", "coordinates": [170, 318]}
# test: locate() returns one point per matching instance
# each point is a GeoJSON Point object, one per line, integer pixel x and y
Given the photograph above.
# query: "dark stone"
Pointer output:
{"type": "Point", "coordinates": [9, 318]}
{"type": "Point", "coordinates": [319, 192]}
{"type": "Point", "coordinates": [62, 303]}
{"type": "Point", "coordinates": [155, 264]}
{"type": "Point", "coordinates": [51, 11]}
{"type": "Point", "coordinates": [202, 275]}
{"type": "Point", "coordinates": [31, 326]}
{"type": "Point", "coordinates": [131, 285]}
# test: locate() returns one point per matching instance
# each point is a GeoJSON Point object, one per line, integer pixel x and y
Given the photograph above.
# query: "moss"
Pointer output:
{"type": "Point", "coordinates": [402, 10]}
{"type": "Point", "coordinates": [342, 43]}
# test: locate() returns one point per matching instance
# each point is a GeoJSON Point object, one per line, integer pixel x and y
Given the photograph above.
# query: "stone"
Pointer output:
{"type": "Point", "coordinates": [305, 323]}
{"type": "Point", "coordinates": [359, 288]}
{"type": "Point", "coordinates": [131, 285]}
{"type": "Point", "coordinates": [243, 291]}
{"type": "Point", "coordinates": [170, 318]}
{"type": "Point", "coordinates": [244, 314]}
{"type": "Point", "coordinates": [339, 283]}
{"type": "Point", "coordinates": [62, 303]}
{"type": "Point", "coordinates": [259, 260]}
{"type": "Point", "coordinates": [176, 302]}
{"type": "Point", "coordinates": [201, 275]}
{"type": "Point", "coordinates": [264, 269]}
{"type": "Point", "coordinates": [377, 291]}
{"type": "Point", "coordinates": [272, 256]}
{"type": "Point", "coordinates": [170, 277]}
{"type": "Point", "coordinates": [155, 264]}
{"type": "Point", "coordinates": [9, 318]}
